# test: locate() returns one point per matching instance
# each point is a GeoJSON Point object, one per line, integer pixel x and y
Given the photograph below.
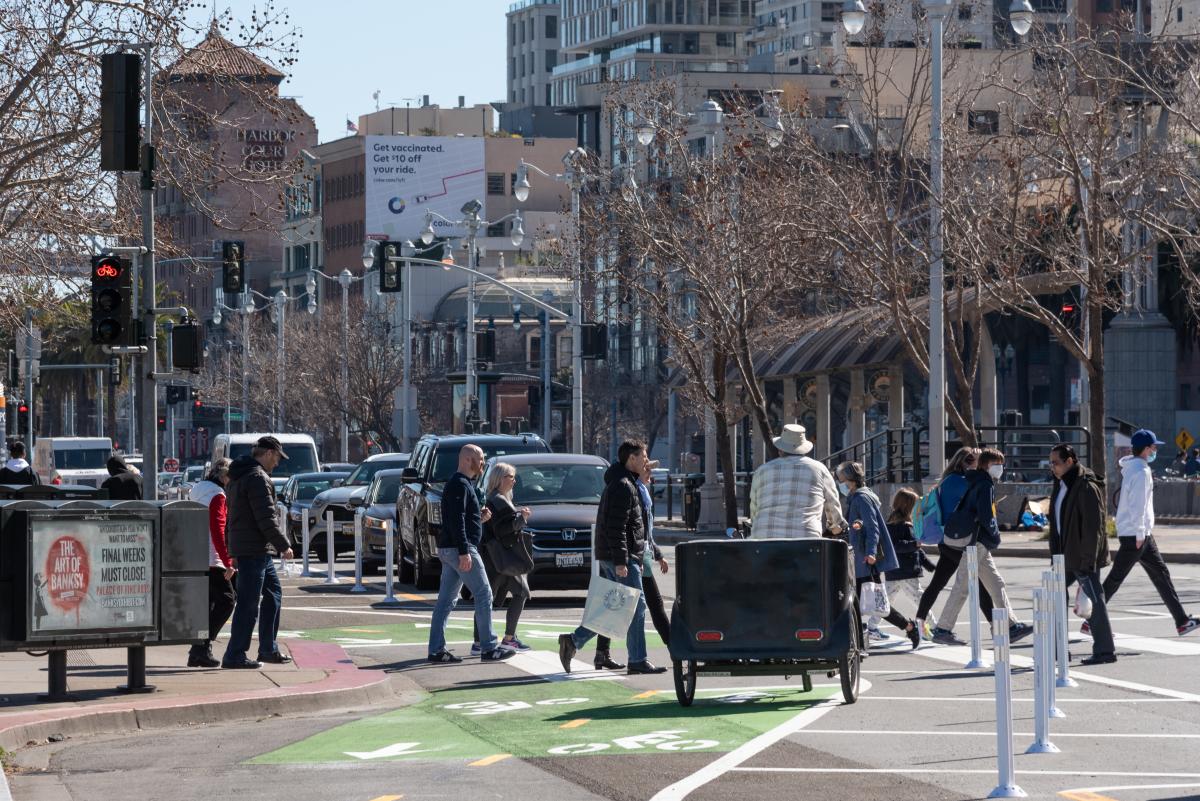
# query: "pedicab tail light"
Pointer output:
{"type": "Point", "coordinates": [709, 636]}
{"type": "Point", "coordinates": [806, 635]}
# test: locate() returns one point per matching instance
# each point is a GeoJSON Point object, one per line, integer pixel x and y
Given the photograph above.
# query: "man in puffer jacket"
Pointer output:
{"type": "Point", "coordinates": [620, 545]}
{"type": "Point", "coordinates": [255, 538]}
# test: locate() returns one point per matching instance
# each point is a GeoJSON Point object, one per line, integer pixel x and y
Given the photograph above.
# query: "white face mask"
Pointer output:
{"type": "Point", "coordinates": [996, 471]}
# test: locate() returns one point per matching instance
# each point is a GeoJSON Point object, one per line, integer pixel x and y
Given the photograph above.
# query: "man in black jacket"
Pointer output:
{"type": "Point", "coordinates": [1077, 531]}
{"type": "Point", "coordinates": [123, 484]}
{"type": "Point", "coordinates": [458, 549]}
{"type": "Point", "coordinates": [620, 544]}
{"type": "Point", "coordinates": [254, 539]}
{"type": "Point", "coordinates": [16, 470]}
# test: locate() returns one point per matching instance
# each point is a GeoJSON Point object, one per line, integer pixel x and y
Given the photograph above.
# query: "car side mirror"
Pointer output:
{"type": "Point", "coordinates": [410, 475]}
{"type": "Point", "coordinates": [337, 482]}
{"type": "Point", "coordinates": [358, 501]}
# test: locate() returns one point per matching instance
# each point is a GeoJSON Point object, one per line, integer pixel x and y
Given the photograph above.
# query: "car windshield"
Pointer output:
{"type": "Point", "coordinates": [366, 471]}
{"type": "Point", "coordinates": [301, 458]}
{"type": "Point", "coordinates": [81, 459]}
{"type": "Point", "coordinates": [446, 463]}
{"type": "Point", "coordinates": [389, 490]}
{"type": "Point", "coordinates": [193, 474]}
{"type": "Point", "coordinates": [310, 487]}
{"type": "Point", "coordinates": [558, 483]}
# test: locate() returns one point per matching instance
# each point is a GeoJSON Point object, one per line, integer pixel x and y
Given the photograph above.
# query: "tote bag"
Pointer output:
{"type": "Point", "coordinates": [610, 607]}
{"type": "Point", "coordinates": [873, 597]}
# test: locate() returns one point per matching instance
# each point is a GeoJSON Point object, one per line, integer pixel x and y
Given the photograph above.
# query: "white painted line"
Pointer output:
{"type": "Point", "coordinates": [968, 771]}
{"type": "Point", "coordinates": [546, 666]}
{"type": "Point", "coordinates": [714, 770]}
{"type": "Point", "coordinates": [1057, 700]}
{"type": "Point", "coordinates": [1156, 645]}
{"type": "Point", "coordinates": [960, 654]}
{"type": "Point", "coordinates": [1143, 612]}
{"type": "Point", "coordinates": [1057, 734]}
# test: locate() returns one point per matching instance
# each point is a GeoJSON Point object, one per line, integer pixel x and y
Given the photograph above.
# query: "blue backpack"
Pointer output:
{"type": "Point", "coordinates": [927, 518]}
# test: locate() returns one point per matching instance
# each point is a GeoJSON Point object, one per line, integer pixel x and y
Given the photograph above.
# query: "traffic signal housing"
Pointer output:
{"type": "Point", "coordinates": [233, 266]}
{"type": "Point", "coordinates": [594, 341]}
{"type": "Point", "coordinates": [112, 302]}
{"type": "Point", "coordinates": [485, 345]}
{"type": "Point", "coordinates": [187, 346]}
{"type": "Point", "coordinates": [120, 106]}
{"type": "Point", "coordinates": [391, 276]}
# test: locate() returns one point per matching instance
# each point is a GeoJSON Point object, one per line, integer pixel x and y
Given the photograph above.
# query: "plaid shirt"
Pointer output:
{"type": "Point", "coordinates": [788, 497]}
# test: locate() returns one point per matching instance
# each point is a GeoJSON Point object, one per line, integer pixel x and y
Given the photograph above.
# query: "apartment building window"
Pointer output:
{"type": "Point", "coordinates": [522, 62]}
{"type": "Point", "coordinates": [1179, 14]}
{"type": "Point", "coordinates": [829, 12]}
{"type": "Point", "coordinates": [496, 229]}
{"type": "Point", "coordinates": [551, 27]}
{"type": "Point", "coordinates": [833, 107]}
{"type": "Point", "coordinates": [551, 60]}
{"type": "Point", "coordinates": [495, 183]}
{"type": "Point", "coordinates": [986, 123]}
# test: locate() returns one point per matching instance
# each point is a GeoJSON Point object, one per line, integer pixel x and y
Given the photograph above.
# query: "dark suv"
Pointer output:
{"type": "Point", "coordinates": [419, 508]}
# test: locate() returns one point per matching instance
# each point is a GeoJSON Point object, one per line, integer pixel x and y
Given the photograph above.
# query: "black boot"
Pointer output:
{"type": "Point", "coordinates": [202, 656]}
{"type": "Point", "coordinates": [604, 661]}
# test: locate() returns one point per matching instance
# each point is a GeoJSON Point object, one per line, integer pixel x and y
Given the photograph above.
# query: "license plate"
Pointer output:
{"type": "Point", "coordinates": [348, 528]}
{"type": "Point", "coordinates": [568, 559]}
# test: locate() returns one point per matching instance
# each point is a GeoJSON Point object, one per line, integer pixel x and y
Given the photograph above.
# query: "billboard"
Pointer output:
{"type": "Point", "coordinates": [408, 174]}
{"type": "Point", "coordinates": [90, 574]}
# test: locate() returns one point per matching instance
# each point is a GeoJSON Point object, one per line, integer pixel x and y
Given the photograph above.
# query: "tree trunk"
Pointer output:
{"type": "Point", "coordinates": [1098, 452]}
{"type": "Point", "coordinates": [728, 471]}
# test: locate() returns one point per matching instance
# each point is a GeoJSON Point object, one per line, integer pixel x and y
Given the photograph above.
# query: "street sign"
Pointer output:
{"type": "Point", "coordinates": [1184, 439]}
{"type": "Point", "coordinates": [170, 465]}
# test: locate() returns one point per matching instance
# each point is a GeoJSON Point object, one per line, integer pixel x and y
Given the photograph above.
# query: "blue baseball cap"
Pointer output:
{"type": "Point", "coordinates": [1144, 438]}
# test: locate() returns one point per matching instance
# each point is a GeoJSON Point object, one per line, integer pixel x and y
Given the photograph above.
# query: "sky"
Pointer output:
{"type": "Point", "coordinates": [403, 48]}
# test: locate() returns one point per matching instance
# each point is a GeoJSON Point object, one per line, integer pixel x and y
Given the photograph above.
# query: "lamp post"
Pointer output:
{"type": "Point", "coordinates": [854, 17]}
{"type": "Point", "coordinates": [472, 222]}
{"type": "Point", "coordinates": [573, 176]}
{"type": "Point", "coordinates": [547, 389]}
{"type": "Point", "coordinates": [280, 315]}
{"type": "Point", "coordinates": [1005, 361]}
{"type": "Point", "coordinates": [246, 309]}
{"type": "Point", "coordinates": [345, 278]}
{"type": "Point", "coordinates": [712, 512]}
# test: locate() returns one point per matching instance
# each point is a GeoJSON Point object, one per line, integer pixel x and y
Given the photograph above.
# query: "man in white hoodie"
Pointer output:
{"type": "Point", "coordinates": [1135, 524]}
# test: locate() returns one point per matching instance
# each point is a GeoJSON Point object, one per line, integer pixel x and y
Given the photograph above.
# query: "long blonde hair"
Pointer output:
{"type": "Point", "coordinates": [499, 471]}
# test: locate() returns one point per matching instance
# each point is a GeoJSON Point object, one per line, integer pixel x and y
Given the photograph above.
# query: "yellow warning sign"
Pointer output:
{"type": "Point", "coordinates": [1184, 439]}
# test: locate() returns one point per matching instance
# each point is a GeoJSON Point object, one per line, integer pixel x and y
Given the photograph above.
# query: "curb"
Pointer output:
{"type": "Point", "coordinates": [344, 685]}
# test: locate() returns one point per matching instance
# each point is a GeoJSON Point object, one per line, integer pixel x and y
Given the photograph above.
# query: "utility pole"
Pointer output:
{"type": "Point", "coordinates": [31, 435]}
{"type": "Point", "coordinates": [149, 399]}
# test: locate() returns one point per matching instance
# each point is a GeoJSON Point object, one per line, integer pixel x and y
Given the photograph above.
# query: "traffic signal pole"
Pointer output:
{"type": "Point", "coordinates": [31, 435]}
{"type": "Point", "coordinates": [149, 397]}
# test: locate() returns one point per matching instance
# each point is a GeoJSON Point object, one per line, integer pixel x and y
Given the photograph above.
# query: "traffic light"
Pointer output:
{"type": "Point", "coordinates": [112, 301]}
{"type": "Point", "coordinates": [187, 346]}
{"type": "Point", "coordinates": [391, 277]}
{"type": "Point", "coordinates": [120, 106]}
{"type": "Point", "coordinates": [1069, 314]}
{"type": "Point", "coordinates": [594, 341]}
{"type": "Point", "coordinates": [114, 371]}
{"type": "Point", "coordinates": [175, 393]}
{"type": "Point", "coordinates": [485, 345]}
{"type": "Point", "coordinates": [162, 423]}
{"type": "Point", "coordinates": [233, 266]}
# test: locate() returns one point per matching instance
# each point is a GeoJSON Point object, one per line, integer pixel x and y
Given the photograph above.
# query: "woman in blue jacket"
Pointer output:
{"type": "Point", "coordinates": [874, 554]}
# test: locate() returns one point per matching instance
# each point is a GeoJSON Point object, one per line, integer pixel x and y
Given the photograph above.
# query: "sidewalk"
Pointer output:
{"type": "Point", "coordinates": [321, 676]}
{"type": "Point", "coordinates": [1178, 544]}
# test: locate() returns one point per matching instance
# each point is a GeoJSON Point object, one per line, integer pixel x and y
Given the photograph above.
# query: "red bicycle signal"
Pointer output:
{"type": "Point", "coordinates": [108, 269]}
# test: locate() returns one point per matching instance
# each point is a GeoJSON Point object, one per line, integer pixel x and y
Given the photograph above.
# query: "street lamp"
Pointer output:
{"type": "Point", "coordinates": [854, 16]}
{"type": "Point", "coordinates": [427, 231]}
{"type": "Point", "coordinates": [281, 300]}
{"type": "Point", "coordinates": [645, 132]}
{"type": "Point", "coordinates": [1020, 16]}
{"type": "Point", "coordinates": [573, 176]}
{"type": "Point", "coordinates": [518, 230]}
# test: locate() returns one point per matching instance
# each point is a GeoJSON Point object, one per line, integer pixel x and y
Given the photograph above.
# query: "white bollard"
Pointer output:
{"type": "Point", "coordinates": [330, 554]}
{"type": "Point", "coordinates": [1058, 562]}
{"type": "Point", "coordinates": [389, 545]}
{"type": "Point", "coordinates": [358, 554]}
{"type": "Point", "coordinates": [1043, 673]}
{"type": "Point", "coordinates": [1007, 788]}
{"type": "Point", "coordinates": [973, 602]}
{"type": "Point", "coordinates": [1051, 589]}
{"type": "Point", "coordinates": [306, 573]}
{"type": "Point", "coordinates": [595, 564]}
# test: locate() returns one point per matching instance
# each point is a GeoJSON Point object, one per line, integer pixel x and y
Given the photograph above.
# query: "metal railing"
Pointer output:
{"type": "Point", "coordinates": [891, 456]}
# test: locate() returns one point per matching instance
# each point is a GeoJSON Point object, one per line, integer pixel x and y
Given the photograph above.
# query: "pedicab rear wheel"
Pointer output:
{"type": "Point", "coordinates": [684, 671]}
{"type": "Point", "coordinates": [849, 663]}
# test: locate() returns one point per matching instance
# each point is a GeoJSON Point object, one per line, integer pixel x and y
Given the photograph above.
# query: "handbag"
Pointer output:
{"type": "Point", "coordinates": [610, 607]}
{"type": "Point", "coordinates": [873, 597]}
{"type": "Point", "coordinates": [511, 560]}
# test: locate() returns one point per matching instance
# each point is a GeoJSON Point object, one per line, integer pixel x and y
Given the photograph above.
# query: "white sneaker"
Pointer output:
{"type": "Point", "coordinates": [875, 635]}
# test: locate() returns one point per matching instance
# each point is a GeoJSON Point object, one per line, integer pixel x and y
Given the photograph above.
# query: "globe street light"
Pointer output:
{"type": "Point", "coordinates": [521, 187]}
{"type": "Point", "coordinates": [645, 132]}
{"type": "Point", "coordinates": [1020, 16]}
{"type": "Point", "coordinates": [854, 16]}
{"type": "Point", "coordinates": [427, 231]}
{"type": "Point", "coordinates": [518, 231]}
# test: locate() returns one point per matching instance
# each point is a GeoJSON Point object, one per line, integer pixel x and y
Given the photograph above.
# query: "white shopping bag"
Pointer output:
{"type": "Point", "coordinates": [1083, 604]}
{"type": "Point", "coordinates": [609, 608]}
{"type": "Point", "coordinates": [873, 598]}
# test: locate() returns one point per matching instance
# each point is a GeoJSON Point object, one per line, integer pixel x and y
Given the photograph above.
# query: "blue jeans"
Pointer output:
{"type": "Point", "coordinates": [259, 597]}
{"type": "Point", "coordinates": [635, 639]}
{"type": "Point", "coordinates": [452, 580]}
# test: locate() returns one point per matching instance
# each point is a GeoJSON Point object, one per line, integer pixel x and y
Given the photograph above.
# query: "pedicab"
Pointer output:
{"type": "Point", "coordinates": [765, 608]}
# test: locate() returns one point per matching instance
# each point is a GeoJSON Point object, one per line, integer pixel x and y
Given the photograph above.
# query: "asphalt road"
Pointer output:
{"type": "Point", "coordinates": [923, 728]}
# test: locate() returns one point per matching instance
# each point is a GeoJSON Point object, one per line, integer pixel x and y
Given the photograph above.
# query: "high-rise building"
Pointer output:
{"type": "Point", "coordinates": [532, 53]}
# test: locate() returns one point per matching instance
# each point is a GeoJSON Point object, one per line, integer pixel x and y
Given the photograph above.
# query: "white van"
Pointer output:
{"type": "Point", "coordinates": [300, 448]}
{"type": "Point", "coordinates": [72, 460]}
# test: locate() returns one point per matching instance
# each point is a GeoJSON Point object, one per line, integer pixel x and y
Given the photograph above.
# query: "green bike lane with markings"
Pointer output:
{"type": "Point", "coordinates": [529, 717]}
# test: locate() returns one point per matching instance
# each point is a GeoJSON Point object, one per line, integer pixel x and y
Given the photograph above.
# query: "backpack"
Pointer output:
{"type": "Point", "coordinates": [961, 527]}
{"type": "Point", "coordinates": [927, 518]}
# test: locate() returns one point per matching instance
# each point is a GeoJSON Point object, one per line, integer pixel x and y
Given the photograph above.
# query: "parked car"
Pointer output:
{"type": "Point", "coordinates": [562, 491]}
{"type": "Point", "coordinates": [659, 481]}
{"type": "Point", "coordinates": [191, 476]}
{"type": "Point", "coordinates": [338, 467]}
{"type": "Point", "coordinates": [419, 510]}
{"type": "Point", "coordinates": [72, 460]}
{"type": "Point", "coordinates": [378, 510]}
{"type": "Point", "coordinates": [296, 497]}
{"type": "Point", "coordinates": [337, 500]}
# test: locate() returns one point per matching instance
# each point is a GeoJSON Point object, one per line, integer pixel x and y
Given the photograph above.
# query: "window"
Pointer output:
{"type": "Point", "coordinates": [551, 27]}
{"type": "Point", "coordinates": [533, 353]}
{"type": "Point", "coordinates": [1179, 14]}
{"type": "Point", "coordinates": [829, 12]}
{"type": "Point", "coordinates": [496, 229]}
{"type": "Point", "coordinates": [495, 183]}
{"type": "Point", "coordinates": [514, 183]}
{"type": "Point", "coordinates": [964, 12]}
{"type": "Point", "coordinates": [551, 60]}
{"type": "Point", "coordinates": [986, 123]}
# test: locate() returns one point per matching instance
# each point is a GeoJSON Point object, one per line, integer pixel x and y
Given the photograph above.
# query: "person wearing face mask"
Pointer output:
{"type": "Point", "coordinates": [980, 500]}
{"type": "Point", "coordinates": [1135, 524]}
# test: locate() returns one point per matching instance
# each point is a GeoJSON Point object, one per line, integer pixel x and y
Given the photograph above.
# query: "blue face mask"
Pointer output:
{"type": "Point", "coordinates": [843, 488]}
{"type": "Point", "coordinates": [1150, 457]}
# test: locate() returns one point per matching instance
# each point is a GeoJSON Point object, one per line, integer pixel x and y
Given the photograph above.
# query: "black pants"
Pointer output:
{"type": "Point", "coordinates": [947, 566]}
{"type": "Point", "coordinates": [220, 604]}
{"type": "Point", "coordinates": [1152, 562]}
{"type": "Point", "coordinates": [501, 586]}
{"type": "Point", "coordinates": [895, 618]}
{"type": "Point", "coordinates": [658, 612]}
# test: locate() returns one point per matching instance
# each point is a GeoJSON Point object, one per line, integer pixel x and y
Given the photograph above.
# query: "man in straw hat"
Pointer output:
{"type": "Point", "coordinates": [790, 494]}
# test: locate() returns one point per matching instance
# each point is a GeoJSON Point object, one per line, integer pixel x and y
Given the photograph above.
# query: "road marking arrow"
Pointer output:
{"type": "Point", "coordinates": [393, 750]}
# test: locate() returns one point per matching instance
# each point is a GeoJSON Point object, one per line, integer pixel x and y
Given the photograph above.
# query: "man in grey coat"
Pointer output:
{"type": "Point", "coordinates": [254, 539]}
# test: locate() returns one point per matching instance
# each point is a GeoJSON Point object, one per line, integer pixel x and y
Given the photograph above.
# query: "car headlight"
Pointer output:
{"type": "Point", "coordinates": [435, 514]}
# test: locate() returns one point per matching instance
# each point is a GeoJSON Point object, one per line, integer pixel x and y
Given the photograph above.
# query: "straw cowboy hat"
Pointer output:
{"type": "Point", "coordinates": [793, 441]}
